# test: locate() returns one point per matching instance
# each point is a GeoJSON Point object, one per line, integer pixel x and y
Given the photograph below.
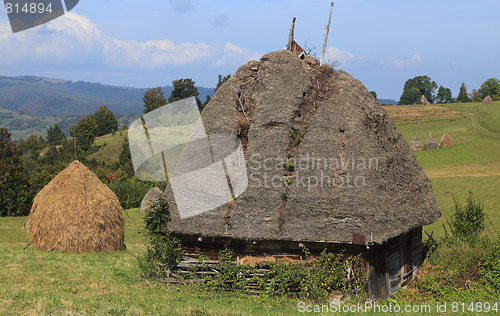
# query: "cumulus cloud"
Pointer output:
{"type": "Point", "coordinates": [233, 55]}
{"type": "Point", "coordinates": [73, 38]}
{"type": "Point", "coordinates": [345, 58]}
{"type": "Point", "coordinates": [413, 61]}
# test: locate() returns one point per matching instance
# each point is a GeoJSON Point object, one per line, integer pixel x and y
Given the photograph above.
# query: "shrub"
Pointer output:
{"type": "Point", "coordinates": [468, 220]}
{"type": "Point", "coordinates": [129, 192]}
{"type": "Point", "coordinates": [163, 250]}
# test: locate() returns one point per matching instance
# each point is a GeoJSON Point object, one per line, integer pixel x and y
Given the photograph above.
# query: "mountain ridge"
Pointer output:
{"type": "Point", "coordinates": [36, 95]}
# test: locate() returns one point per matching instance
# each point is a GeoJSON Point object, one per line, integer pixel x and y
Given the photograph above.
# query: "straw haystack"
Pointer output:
{"type": "Point", "coordinates": [76, 212]}
{"type": "Point", "coordinates": [416, 144]}
{"type": "Point", "coordinates": [284, 108]}
{"type": "Point", "coordinates": [487, 100]}
{"type": "Point", "coordinates": [431, 143]}
{"type": "Point", "coordinates": [446, 141]}
{"type": "Point", "coordinates": [149, 198]}
{"type": "Point", "coordinates": [423, 100]}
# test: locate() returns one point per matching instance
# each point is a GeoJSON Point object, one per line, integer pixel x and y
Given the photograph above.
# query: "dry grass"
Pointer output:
{"type": "Point", "coordinates": [419, 112]}
{"type": "Point", "coordinates": [473, 169]}
{"type": "Point", "coordinates": [75, 212]}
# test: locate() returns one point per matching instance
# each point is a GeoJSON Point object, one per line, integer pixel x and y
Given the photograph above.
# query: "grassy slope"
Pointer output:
{"type": "Point", "coordinates": [472, 164]}
{"type": "Point", "coordinates": [98, 283]}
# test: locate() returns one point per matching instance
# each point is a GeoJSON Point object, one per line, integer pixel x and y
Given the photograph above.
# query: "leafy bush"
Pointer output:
{"type": "Point", "coordinates": [163, 250]}
{"type": "Point", "coordinates": [490, 263]}
{"type": "Point", "coordinates": [129, 192]}
{"type": "Point", "coordinates": [467, 222]}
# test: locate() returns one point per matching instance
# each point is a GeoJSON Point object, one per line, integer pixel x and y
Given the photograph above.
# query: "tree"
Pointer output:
{"type": "Point", "coordinates": [444, 95]}
{"type": "Point", "coordinates": [125, 160]}
{"type": "Point", "coordinates": [490, 87]}
{"type": "Point", "coordinates": [184, 88]}
{"type": "Point", "coordinates": [55, 136]}
{"type": "Point", "coordinates": [374, 94]}
{"type": "Point", "coordinates": [221, 80]}
{"type": "Point", "coordinates": [410, 96]}
{"type": "Point", "coordinates": [462, 95]}
{"type": "Point", "coordinates": [153, 99]}
{"type": "Point", "coordinates": [423, 84]}
{"type": "Point", "coordinates": [475, 96]}
{"type": "Point", "coordinates": [15, 191]}
{"type": "Point", "coordinates": [85, 132]}
{"type": "Point", "coordinates": [105, 120]}
{"type": "Point", "coordinates": [207, 99]}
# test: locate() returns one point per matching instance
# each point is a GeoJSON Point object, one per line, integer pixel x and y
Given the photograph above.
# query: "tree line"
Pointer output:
{"type": "Point", "coordinates": [25, 168]}
{"type": "Point", "coordinates": [419, 86]}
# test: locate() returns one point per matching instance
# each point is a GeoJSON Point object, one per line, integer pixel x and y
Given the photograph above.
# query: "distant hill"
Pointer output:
{"type": "Point", "coordinates": [387, 101]}
{"type": "Point", "coordinates": [43, 96]}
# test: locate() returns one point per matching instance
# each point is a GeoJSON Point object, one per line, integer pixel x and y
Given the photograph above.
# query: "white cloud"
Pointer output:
{"type": "Point", "coordinates": [347, 58]}
{"type": "Point", "coordinates": [233, 55]}
{"type": "Point", "coordinates": [74, 38]}
{"type": "Point", "coordinates": [413, 61]}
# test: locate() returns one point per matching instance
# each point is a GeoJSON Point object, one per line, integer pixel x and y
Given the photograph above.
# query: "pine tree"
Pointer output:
{"type": "Point", "coordinates": [462, 95]}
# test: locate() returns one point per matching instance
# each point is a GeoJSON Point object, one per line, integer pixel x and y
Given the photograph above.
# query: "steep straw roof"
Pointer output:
{"type": "Point", "coordinates": [416, 144]}
{"type": "Point", "coordinates": [446, 141]}
{"type": "Point", "coordinates": [340, 121]}
{"type": "Point", "coordinates": [431, 143]}
{"type": "Point", "coordinates": [487, 100]}
{"type": "Point", "coordinates": [149, 198]}
{"type": "Point", "coordinates": [76, 212]}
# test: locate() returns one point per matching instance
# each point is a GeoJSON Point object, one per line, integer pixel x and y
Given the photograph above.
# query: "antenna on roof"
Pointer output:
{"type": "Point", "coordinates": [290, 36]}
{"type": "Point", "coordinates": [326, 36]}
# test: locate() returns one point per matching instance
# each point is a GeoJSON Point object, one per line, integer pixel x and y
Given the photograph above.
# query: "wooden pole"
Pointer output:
{"type": "Point", "coordinates": [290, 36]}
{"type": "Point", "coordinates": [326, 36]}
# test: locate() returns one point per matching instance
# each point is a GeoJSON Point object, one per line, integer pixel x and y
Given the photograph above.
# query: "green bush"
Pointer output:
{"type": "Point", "coordinates": [129, 192]}
{"type": "Point", "coordinates": [467, 222]}
{"type": "Point", "coordinates": [163, 250]}
{"type": "Point", "coordinates": [490, 263]}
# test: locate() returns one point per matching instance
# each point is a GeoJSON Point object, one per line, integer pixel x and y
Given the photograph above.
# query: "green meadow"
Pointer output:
{"type": "Point", "coordinates": [45, 283]}
{"type": "Point", "coordinates": [472, 164]}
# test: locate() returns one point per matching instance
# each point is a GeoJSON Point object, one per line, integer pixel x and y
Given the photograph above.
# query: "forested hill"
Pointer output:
{"type": "Point", "coordinates": [42, 96]}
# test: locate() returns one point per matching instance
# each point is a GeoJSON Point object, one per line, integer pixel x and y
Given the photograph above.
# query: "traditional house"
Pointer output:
{"type": "Point", "coordinates": [327, 168]}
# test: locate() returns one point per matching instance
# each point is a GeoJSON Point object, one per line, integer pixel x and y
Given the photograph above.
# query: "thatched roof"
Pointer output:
{"type": "Point", "coordinates": [416, 144]}
{"type": "Point", "coordinates": [487, 100]}
{"type": "Point", "coordinates": [431, 143]}
{"type": "Point", "coordinates": [149, 198]}
{"type": "Point", "coordinates": [446, 141]}
{"type": "Point", "coordinates": [76, 212]}
{"type": "Point", "coordinates": [423, 100]}
{"type": "Point", "coordinates": [341, 123]}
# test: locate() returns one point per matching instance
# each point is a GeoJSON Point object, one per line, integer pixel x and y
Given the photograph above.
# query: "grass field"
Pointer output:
{"type": "Point", "coordinates": [35, 282]}
{"type": "Point", "coordinates": [472, 164]}
{"type": "Point", "coordinates": [43, 283]}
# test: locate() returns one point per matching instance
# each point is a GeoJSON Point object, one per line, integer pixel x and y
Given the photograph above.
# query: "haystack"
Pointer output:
{"type": "Point", "coordinates": [76, 212]}
{"type": "Point", "coordinates": [446, 141]}
{"type": "Point", "coordinates": [487, 100]}
{"type": "Point", "coordinates": [423, 100]}
{"type": "Point", "coordinates": [149, 198]}
{"type": "Point", "coordinates": [416, 144]}
{"type": "Point", "coordinates": [431, 143]}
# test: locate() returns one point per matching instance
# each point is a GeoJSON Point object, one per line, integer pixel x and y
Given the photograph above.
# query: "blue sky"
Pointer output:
{"type": "Point", "coordinates": [148, 43]}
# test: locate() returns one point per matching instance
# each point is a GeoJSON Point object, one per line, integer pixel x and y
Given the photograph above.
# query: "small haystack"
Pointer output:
{"type": "Point", "coordinates": [446, 141]}
{"type": "Point", "coordinates": [487, 100]}
{"type": "Point", "coordinates": [431, 143]}
{"type": "Point", "coordinates": [149, 198]}
{"type": "Point", "coordinates": [423, 100]}
{"type": "Point", "coordinates": [76, 212]}
{"type": "Point", "coordinates": [416, 144]}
